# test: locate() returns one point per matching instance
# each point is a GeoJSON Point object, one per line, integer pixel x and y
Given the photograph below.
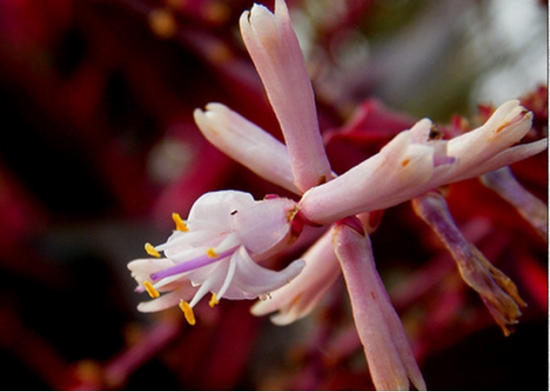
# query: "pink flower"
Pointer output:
{"type": "Point", "coordinates": [413, 163]}
{"type": "Point", "coordinates": [273, 46]}
{"type": "Point", "coordinates": [213, 250]}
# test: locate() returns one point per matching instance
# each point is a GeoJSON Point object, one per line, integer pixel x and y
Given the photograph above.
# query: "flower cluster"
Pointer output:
{"type": "Point", "coordinates": [217, 248]}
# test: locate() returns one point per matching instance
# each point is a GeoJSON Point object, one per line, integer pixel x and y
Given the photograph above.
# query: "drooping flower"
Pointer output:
{"type": "Point", "coordinates": [214, 249]}
{"type": "Point", "coordinates": [497, 290]}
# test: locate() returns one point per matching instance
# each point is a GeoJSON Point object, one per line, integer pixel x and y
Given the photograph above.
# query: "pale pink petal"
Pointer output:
{"type": "Point", "coordinates": [508, 124]}
{"type": "Point", "coordinates": [251, 280]}
{"type": "Point", "coordinates": [265, 224]}
{"type": "Point", "coordinates": [474, 149]}
{"type": "Point", "coordinates": [178, 241]}
{"type": "Point", "coordinates": [184, 252]}
{"type": "Point", "coordinates": [200, 275]}
{"type": "Point", "coordinates": [505, 158]}
{"type": "Point", "coordinates": [275, 51]}
{"type": "Point", "coordinates": [386, 179]}
{"type": "Point", "coordinates": [247, 144]}
{"type": "Point", "coordinates": [212, 281]}
{"type": "Point", "coordinates": [218, 206]}
{"type": "Point", "coordinates": [301, 296]}
{"type": "Point", "coordinates": [168, 300]}
{"type": "Point", "coordinates": [142, 268]}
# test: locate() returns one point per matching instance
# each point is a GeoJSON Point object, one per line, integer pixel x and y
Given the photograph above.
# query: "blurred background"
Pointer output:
{"type": "Point", "coordinates": [99, 147]}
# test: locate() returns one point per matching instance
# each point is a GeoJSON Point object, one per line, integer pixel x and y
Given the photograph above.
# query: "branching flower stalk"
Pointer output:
{"type": "Point", "coordinates": [218, 247]}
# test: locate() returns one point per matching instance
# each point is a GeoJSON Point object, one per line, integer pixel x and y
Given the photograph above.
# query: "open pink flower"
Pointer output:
{"type": "Point", "coordinates": [213, 250]}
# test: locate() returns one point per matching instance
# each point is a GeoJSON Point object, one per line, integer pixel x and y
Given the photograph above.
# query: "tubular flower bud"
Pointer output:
{"type": "Point", "coordinates": [412, 164]}
{"type": "Point", "coordinates": [246, 143]}
{"type": "Point", "coordinates": [274, 48]}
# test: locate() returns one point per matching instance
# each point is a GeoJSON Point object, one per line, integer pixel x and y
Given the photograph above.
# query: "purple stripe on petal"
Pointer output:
{"type": "Point", "coordinates": [191, 265]}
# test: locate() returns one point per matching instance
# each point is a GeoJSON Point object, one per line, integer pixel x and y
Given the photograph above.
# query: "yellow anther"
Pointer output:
{"type": "Point", "coordinates": [212, 253]}
{"type": "Point", "coordinates": [187, 312]}
{"type": "Point", "coordinates": [153, 293]}
{"type": "Point", "coordinates": [151, 251]}
{"type": "Point", "coordinates": [213, 300]}
{"type": "Point", "coordinates": [180, 224]}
